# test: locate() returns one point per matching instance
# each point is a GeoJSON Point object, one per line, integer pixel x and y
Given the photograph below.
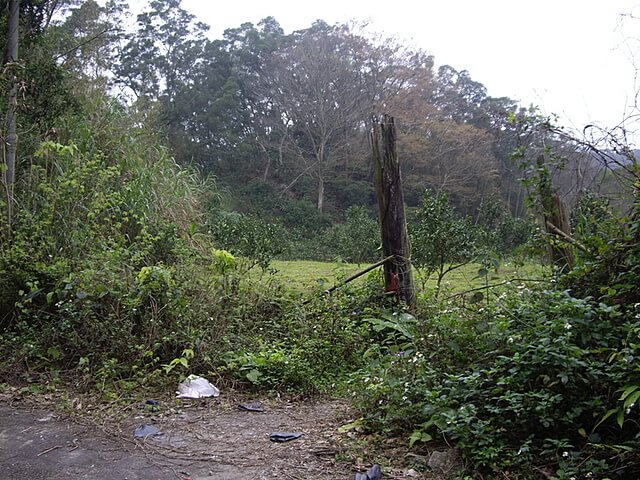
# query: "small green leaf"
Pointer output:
{"type": "Point", "coordinates": [253, 376]}
{"type": "Point", "coordinates": [54, 353]}
{"type": "Point", "coordinates": [629, 390]}
{"type": "Point", "coordinates": [483, 272]}
{"type": "Point", "coordinates": [419, 436]}
{"type": "Point", "coordinates": [631, 399]}
{"type": "Point", "coordinates": [355, 425]}
{"type": "Point", "coordinates": [620, 417]}
{"type": "Point", "coordinates": [606, 415]}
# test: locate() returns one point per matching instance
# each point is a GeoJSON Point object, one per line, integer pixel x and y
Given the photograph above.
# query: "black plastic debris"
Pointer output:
{"type": "Point", "coordinates": [374, 473]}
{"type": "Point", "coordinates": [281, 437]}
{"type": "Point", "coordinates": [152, 405]}
{"type": "Point", "coordinates": [144, 431]}
{"type": "Point", "coordinates": [251, 407]}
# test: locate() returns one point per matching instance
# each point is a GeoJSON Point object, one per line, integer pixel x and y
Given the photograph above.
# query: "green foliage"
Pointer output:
{"type": "Point", "coordinates": [223, 261]}
{"type": "Point", "coordinates": [95, 273]}
{"type": "Point", "coordinates": [592, 217]}
{"type": "Point", "coordinates": [181, 361]}
{"type": "Point", "coordinates": [357, 240]}
{"type": "Point", "coordinates": [304, 349]}
{"type": "Point", "coordinates": [608, 268]}
{"type": "Point", "coordinates": [499, 231]}
{"type": "Point", "coordinates": [441, 241]}
{"type": "Point", "coordinates": [526, 381]}
{"type": "Point", "coordinates": [249, 237]}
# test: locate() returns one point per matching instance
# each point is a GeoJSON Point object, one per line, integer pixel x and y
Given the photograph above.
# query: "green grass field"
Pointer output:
{"type": "Point", "coordinates": [305, 275]}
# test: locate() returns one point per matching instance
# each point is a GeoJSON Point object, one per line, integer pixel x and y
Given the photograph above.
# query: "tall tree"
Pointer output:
{"type": "Point", "coordinates": [10, 142]}
{"type": "Point", "coordinates": [224, 113]}
{"type": "Point", "coordinates": [250, 47]}
{"type": "Point", "coordinates": [90, 38]}
{"type": "Point", "coordinates": [317, 83]}
{"type": "Point", "coordinates": [160, 56]}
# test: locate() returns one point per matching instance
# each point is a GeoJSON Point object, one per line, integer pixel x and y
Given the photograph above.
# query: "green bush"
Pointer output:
{"type": "Point", "coordinates": [300, 349]}
{"type": "Point", "coordinates": [499, 231]}
{"type": "Point", "coordinates": [100, 272]}
{"type": "Point", "coordinates": [357, 240]}
{"type": "Point", "coordinates": [441, 240]}
{"type": "Point", "coordinates": [528, 381]}
{"type": "Point", "coordinates": [250, 237]}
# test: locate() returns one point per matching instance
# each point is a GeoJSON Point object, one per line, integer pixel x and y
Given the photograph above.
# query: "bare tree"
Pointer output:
{"type": "Point", "coordinates": [316, 85]}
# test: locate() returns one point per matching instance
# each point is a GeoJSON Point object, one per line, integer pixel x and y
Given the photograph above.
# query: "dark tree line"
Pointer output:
{"type": "Point", "coordinates": [290, 113]}
{"type": "Point", "coordinates": [294, 110]}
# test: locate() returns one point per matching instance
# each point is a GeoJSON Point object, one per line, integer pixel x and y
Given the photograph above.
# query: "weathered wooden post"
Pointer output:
{"type": "Point", "coordinates": [398, 276]}
{"type": "Point", "coordinates": [556, 219]}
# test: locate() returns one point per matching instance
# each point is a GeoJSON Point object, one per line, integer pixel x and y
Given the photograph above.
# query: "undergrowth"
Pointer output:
{"type": "Point", "coordinates": [112, 274]}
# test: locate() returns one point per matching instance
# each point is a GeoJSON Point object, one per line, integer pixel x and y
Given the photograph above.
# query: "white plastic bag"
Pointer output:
{"type": "Point", "coordinates": [196, 387]}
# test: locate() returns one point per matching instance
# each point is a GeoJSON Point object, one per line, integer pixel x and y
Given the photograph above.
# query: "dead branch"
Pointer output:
{"type": "Point", "coordinates": [566, 236]}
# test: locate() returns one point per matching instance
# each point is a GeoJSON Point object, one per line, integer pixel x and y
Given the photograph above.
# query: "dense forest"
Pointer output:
{"type": "Point", "coordinates": [151, 175]}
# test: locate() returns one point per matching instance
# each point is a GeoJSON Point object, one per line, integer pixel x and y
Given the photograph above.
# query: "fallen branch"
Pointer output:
{"type": "Point", "coordinates": [354, 276]}
{"type": "Point", "coordinates": [359, 274]}
{"type": "Point", "coordinates": [567, 237]}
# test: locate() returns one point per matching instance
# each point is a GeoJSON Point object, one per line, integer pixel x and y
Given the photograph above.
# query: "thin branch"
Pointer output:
{"type": "Point", "coordinates": [566, 236]}
{"type": "Point", "coordinates": [298, 178]}
{"type": "Point", "coordinates": [360, 273]}
{"type": "Point", "coordinates": [86, 42]}
{"type": "Point", "coordinates": [354, 276]}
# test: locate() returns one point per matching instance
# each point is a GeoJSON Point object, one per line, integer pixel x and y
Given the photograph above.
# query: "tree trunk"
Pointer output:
{"type": "Point", "coordinates": [320, 192]}
{"type": "Point", "coordinates": [554, 211]}
{"type": "Point", "coordinates": [393, 225]}
{"type": "Point", "coordinates": [321, 161]}
{"type": "Point", "coordinates": [10, 143]}
{"type": "Point", "coordinates": [267, 157]}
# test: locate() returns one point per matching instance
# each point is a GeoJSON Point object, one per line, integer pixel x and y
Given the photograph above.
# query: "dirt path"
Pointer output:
{"type": "Point", "coordinates": [201, 440]}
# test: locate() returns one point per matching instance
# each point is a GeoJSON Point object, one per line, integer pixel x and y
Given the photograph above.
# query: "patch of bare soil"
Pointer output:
{"type": "Point", "coordinates": [203, 439]}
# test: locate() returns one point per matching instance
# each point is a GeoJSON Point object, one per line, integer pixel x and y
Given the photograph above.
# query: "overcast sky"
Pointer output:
{"type": "Point", "coordinates": [568, 57]}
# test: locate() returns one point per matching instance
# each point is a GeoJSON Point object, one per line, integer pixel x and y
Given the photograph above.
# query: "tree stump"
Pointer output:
{"type": "Point", "coordinates": [393, 226]}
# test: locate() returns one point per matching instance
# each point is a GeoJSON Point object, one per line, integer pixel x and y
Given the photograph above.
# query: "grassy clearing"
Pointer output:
{"type": "Point", "coordinates": [302, 275]}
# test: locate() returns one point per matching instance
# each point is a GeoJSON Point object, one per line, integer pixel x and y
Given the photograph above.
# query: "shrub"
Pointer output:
{"type": "Point", "coordinates": [357, 240]}
{"type": "Point", "coordinates": [441, 241]}
{"type": "Point", "coordinates": [527, 381]}
{"type": "Point", "coordinates": [250, 237]}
